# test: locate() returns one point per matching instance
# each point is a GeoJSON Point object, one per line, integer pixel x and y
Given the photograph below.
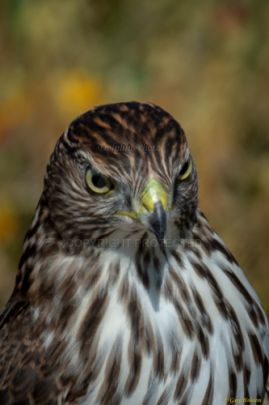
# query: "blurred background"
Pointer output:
{"type": "Point", "coordinates": [205, 62]}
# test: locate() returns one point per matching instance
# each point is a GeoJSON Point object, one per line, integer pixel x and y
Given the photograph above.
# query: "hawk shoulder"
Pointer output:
{"type": "Point", "coordinates": [27, 375]}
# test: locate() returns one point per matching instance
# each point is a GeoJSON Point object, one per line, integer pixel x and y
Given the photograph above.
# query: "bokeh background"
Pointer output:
{"type": "Point", "coordinates": [205, 62]}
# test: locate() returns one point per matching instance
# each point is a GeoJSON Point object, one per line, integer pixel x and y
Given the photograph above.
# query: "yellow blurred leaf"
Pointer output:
{"type": "Point", "coordinates": [76, 92]}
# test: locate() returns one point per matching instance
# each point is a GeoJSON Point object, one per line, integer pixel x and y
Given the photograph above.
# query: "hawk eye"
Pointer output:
{"type": "Point", "coordinates": [98, 183]}
{"type": "Point", "coordinates": [185, 170]}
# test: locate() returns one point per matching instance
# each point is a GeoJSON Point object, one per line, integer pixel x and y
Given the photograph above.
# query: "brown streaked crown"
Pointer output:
{"type": "Point", "coordinates": [121, 136]}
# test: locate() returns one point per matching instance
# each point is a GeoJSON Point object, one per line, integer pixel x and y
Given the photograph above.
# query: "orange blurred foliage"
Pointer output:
{"type": "Point", "coordinates": [76, 92]}
{"type": "Point", "coordinates": [8, 222]}
{"type": "Point", "coordinates": [14, 110]}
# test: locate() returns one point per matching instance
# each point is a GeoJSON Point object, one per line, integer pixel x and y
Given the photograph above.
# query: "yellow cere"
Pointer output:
{"type": "Point", "coordinates": [130, 214]}
{"type": "Point", "coordinates": [153, 192]}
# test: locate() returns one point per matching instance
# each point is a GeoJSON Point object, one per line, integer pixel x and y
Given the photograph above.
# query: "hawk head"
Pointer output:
{"type": "Point", "coordinates": [118, 169]}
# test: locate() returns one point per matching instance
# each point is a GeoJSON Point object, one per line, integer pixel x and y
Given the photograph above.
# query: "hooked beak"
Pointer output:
{"type": "Point", "coordinates": [157, 221]}
{"type": "Point", "coordinates": [151, 209]}
{"type": "Point", "coordinates": [154, 202]}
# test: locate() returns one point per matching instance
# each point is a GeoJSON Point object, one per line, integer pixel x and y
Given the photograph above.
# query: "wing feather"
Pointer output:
{"type": "Point", "coordinates": [26, 374]}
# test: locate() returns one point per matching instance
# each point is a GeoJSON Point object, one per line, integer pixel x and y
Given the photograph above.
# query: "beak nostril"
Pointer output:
{"type": "Point", "coordinates": [153, 193]}
{"type": "Point", "coordinates": [152, 205]}
{"type": "Point", "coordinates": [145, 208]}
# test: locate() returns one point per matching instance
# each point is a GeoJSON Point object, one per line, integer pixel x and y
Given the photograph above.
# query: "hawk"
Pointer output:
{"type": "Point", "coordinates": [124, 294]}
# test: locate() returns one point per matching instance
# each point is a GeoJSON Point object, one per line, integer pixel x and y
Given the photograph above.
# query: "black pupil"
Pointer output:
{"type": "Point", "coordinates": [184, 168]}
{"type": "Point", "coordinates": [99, 181]}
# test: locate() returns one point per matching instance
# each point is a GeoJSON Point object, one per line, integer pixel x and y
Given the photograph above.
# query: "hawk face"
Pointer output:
{"type": "Point", "coordinates": [118, 169]}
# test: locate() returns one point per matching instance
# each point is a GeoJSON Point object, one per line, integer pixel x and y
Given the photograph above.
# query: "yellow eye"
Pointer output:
{"type": "Point", "coordinates": [98, 183]}
{"type": "Point", "coordinates": [185, 170]}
